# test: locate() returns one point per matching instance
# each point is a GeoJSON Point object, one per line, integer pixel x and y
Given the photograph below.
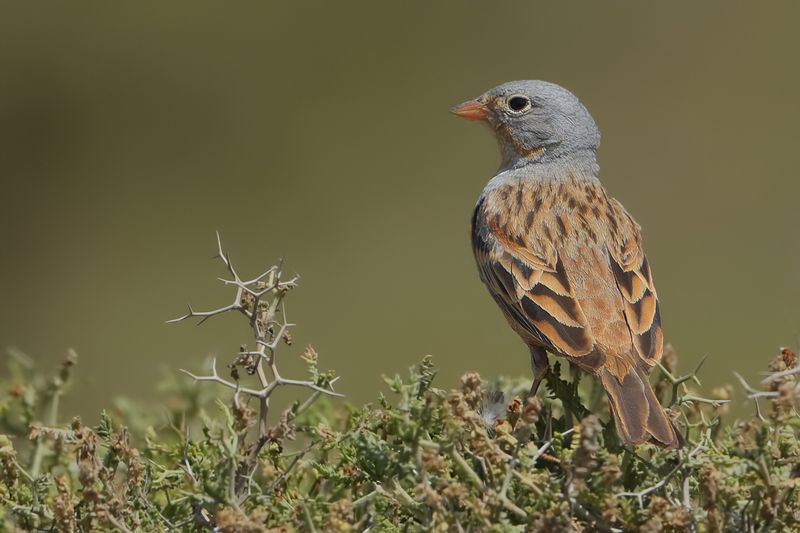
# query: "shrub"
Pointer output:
{"type": "Point", "coordinates": [419, 459]}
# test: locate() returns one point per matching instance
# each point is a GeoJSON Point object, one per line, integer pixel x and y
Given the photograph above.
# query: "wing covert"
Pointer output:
{"type": "Point", "coordinates": [534, 290]}
{"type": "Point", "coordinates": [635, 283]}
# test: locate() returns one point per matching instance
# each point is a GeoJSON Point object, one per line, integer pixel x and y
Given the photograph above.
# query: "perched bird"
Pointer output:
{"type": "Point", "coordinates": [564, 260]}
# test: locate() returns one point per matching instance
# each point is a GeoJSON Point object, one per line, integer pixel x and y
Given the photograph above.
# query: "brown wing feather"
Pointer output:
{"type": "Point", "coordinates": [536, 292]}
{"type": "Point", "coordinates": [635, 282]}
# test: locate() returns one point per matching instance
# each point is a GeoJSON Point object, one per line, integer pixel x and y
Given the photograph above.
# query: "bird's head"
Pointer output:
{"type": "Point", "coordinates": [534, 121]}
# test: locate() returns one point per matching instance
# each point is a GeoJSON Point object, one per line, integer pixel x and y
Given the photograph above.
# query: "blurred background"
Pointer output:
{"type": "Point", "coordinates": [320, 132]}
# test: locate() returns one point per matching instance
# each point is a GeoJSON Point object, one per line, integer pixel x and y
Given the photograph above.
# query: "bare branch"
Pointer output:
{"type": "Point", "coordinates": [223, 256]}
{"type": "Point", "coordinates": [259, 299]}
{"type": "Point", "coordinates": [753, 393]}
{"type": "Point", "coordinates": [311, 399]}
{"type": "Point", "coordinates": [544, 447]}
{"type": "Point", "coordinates": [288, 469]}
{"type": "Point", "coordinates": [217, 379]}
{"type": "Point", "coordinates": [205, 315]}
{"type": "Point", "coordinates": [641, 494]}
{"type": "Point", "coordinates": [778, 375]}
{"type": "Point", "coordinates": [253, 281]}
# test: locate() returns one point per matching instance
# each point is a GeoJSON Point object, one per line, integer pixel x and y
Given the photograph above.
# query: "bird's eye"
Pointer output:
{"type": "Point", "coordinates": [518, 104]}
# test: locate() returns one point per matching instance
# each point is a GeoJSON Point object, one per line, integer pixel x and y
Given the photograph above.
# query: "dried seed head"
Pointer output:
{"type": "Point", "coordinates": [471, 387]}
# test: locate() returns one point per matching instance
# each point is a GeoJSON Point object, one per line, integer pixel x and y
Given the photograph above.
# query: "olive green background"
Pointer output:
{"type": "Point", "coordinates": [320, 132]}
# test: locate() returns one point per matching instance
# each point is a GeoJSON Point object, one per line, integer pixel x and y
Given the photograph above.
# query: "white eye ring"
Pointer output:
{"type": "Point", "coordinates": [518, 103]}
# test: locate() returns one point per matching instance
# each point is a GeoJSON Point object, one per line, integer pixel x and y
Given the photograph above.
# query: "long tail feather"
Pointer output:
{"type": "Point", "coordinates": [637, 412]}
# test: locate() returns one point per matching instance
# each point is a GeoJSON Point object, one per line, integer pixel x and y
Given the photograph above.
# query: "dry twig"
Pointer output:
{"type": "Point", "coordinates": [261, 301]}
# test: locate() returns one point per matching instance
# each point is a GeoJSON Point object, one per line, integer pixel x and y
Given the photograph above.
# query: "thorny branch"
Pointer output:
{"type": "Point", "coordinates": [642, 493]}
{"type": "Point", "coordinates": [754, 393]}
{"type": "Point", "coordinates": [781, 382]}
{"type": "Point", "coordinates": [680, 394]}
{"type": "Point", "coordinates": [261, 301]}
{"type": "Point", "coordinates": [264, 392]}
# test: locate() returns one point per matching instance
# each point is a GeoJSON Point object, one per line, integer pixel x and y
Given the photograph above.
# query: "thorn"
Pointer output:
{"type": "Point", "coordinates": [193, 376]}
{"type": "Point", "coordinates": [697, 369]}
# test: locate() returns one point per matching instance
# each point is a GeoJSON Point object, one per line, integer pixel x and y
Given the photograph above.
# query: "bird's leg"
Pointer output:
{"type": "Point", "coordinates": [540, 367]}
{"type": "Point", "coordinates": [575, 373]}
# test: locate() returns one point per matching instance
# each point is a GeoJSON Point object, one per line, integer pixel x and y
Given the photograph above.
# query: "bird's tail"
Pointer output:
{"type": "Point", "coordinates": [637, 412]}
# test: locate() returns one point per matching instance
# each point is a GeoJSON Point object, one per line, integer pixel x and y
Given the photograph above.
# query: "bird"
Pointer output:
{"type": "Point", "coordinates": [562, 258]}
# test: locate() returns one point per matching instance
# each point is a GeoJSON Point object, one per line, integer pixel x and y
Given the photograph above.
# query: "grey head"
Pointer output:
{"type": "Point", "coordinates": [535, 122]}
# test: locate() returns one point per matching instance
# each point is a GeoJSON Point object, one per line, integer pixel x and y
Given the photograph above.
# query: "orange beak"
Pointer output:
{"type": "Point", "coordinates": [471, 110]}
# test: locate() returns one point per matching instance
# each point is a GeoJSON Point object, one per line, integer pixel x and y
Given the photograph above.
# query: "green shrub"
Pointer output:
{"type": "Point", "coordinates": [419, 459]}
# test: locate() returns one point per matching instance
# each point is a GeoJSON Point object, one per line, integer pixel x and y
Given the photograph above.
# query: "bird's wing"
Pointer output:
{"type": "Point", "coordinates": [529, 282]}
{"type": "Point", "coordinates": [635, 282]}
{"type": "Point", "coordinates": [577, 282]}
{"type": "Point", "coordinates": [571, 294]}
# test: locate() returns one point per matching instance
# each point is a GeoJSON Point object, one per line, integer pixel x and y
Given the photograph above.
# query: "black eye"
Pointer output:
{"type": "Point", "coordinates": [519, 103]}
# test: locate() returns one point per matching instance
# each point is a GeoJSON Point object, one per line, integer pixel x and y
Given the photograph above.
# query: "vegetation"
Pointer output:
{"type": "Point", "coordinates": [418, 459]}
